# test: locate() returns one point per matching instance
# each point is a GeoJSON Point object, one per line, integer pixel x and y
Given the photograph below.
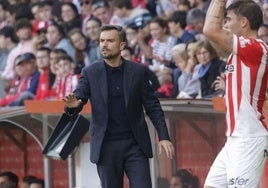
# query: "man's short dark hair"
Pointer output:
{"type": "Point", "coordinates": [121, 31]}
{"type": "Point", "coordinates": [8, 32]}
{"type": "Point", "coordinates": [99, 4]}
{"type": "Point", "coordinates": [4, 4]}
{"type": "Point", "coordinates": [92, 18]}
{"type": "Point", "coordinates": [11, 176]}
{"type": "Point", "coordinates": [245, 8]}
{"type": "Point", "coordinates": [22, 23]}
{"type": "Point", "coordinates": [38, 181]}
{"type": "Point", "coordinates": [45, 3]}
{"type": "Point", "coordinates": [122, 4]}
{"type": "Point", "coordinates": [179, 17]}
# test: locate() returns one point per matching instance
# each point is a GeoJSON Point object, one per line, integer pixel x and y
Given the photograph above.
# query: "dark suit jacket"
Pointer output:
{"type": "Point", "coordinates": [139, 96]}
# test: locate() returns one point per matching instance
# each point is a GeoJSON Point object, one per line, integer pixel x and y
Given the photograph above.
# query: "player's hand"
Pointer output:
{"type": "Point", "coordinates": [71, 101]}
{"type": "Point", "coordinates": [168, 147]}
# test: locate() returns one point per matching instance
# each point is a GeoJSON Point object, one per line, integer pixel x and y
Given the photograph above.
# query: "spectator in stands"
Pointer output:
{"type": "Point", "coordinates": [101, 10]}
{"type": "Point", "coordinates": [23, 30]}
{"type": "Point", "coordinates": [10, 14]}
{"type": "Point", "coordinates": [177, 24]}
{"type": "Point", "coordinates": [37, 183]}
{"type": "Point", "coordinates": [187, 83]}
{"type": "Point", "coordinates": [127, 53]}
{"type": "Point", "coordinates": [195, 22]}
{"type": "Point", "coordinates": [144, 38]}
{"type": "Point", "coordinates": [165, 8]}
{"type": "Point", "coordinates": [45, 10]}
{"type": "Point", "coordinates": [55, 75]}
{"type": "Point", "coordinates": [23, 11]}
{"type": "Point", "coordinates": [86, 13]}
{"type": "Point", "coordinates": [54, 58]}
{"type": "Point", "coordinates": [82, 49]}
{"type": "Point", "coordinates": [7, 43]}
{"type": "Point", "coordinates": [202, 5]}
{"type": "Point", "coordinates": [166, 85]}
{"type": "Point", "coordinates": [24, 86]}
{"type": "Point", "coordinates": [10, 177]}
{"type": "Point", "coordinates": [26, 180]}
{"type": "Point", "coordinates": [183, 178]}
{"type": "Point", "coordinates": [263, 33]}
{"type": "Point", "coordinates": [3, 14]}
{"type": "Point", "coordinates": [44, 85]}
{"type": "Point", "coordinates": [125, 11]}
{"type": "Point", "coordinates": [183, 5]}
{"type": "Point", "coordinates": [93, 26]}
{"type": "Point", "coordinates": [190, 48]}
{"type": "Point", "coordinates": [35, 10]}
{"type": "Point", "coordinates": [265, 12]}
{"type": "Point", "coordinates": [56, 39]}
{"type": "Point", "coordinates": [208, 66]}
{"type": "Point", "coordinates": [70, 17]}
{"type": "Point", "coordinates": [39, 35]}
{"type": "Point", "coordinates": [161, 46]}
{"type": "Point", "coordinates": [68, 80]}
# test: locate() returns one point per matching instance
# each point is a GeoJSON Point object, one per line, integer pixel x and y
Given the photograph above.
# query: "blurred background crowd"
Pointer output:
{"type": "Point", "coordinates": [44, 45]}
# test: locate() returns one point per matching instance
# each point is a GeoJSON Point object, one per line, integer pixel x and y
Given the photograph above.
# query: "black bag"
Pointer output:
{"type": "Point", "coordinates": [66, 136]}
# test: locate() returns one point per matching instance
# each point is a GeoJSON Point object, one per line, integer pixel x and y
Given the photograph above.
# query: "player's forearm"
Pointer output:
{"type": "Point", "coordinates": [214, 18]}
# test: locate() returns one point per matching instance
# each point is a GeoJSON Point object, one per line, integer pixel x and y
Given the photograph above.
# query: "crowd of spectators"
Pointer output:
{"type": "Point", "coordinates": [44, 44]}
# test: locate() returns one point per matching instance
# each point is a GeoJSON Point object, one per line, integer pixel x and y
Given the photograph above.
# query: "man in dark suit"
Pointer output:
{"type": "Point", "coordinates": [119, 91]}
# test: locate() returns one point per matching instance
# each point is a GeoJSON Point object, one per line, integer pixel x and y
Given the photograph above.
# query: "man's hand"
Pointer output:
{"type": "Point", "coordinates": [168, 147]}
{"type": "Point", "coordinates": [71, 101]}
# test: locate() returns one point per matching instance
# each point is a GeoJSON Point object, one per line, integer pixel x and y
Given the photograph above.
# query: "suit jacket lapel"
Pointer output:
{"type": "Point", "coordinates": [102, 81]}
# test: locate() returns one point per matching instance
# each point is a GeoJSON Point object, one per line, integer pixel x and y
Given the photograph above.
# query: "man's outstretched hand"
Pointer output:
{"type": "Point", "coordinates": [71, 101]}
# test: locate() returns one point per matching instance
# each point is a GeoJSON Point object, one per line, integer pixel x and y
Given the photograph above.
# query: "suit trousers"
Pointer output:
{"type": "Point", "coordinates": [122, 156]}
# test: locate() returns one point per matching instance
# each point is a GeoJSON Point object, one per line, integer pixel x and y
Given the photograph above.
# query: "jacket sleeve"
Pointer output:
{"type": "Point", "coordinates": [153, 109]}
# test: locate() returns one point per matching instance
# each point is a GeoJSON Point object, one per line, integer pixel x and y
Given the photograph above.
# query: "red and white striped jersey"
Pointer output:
{"type": "Point", "coordinates": [246, 84]}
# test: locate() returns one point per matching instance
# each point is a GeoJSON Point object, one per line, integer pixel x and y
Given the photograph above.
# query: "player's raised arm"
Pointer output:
{"type": "Point", "coordinates": [216, 27]}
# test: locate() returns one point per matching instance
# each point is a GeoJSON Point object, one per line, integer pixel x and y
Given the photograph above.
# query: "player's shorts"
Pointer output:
{"type": "Point", "coordinates": [239, 164]}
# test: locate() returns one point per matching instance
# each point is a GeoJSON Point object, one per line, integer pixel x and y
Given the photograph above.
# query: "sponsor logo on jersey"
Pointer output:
{"type": "Point", "coordinates": [238, 181]}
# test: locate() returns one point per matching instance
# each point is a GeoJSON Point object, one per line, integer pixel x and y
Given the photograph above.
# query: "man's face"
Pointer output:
{"type": "Point", "coordinates": [24, 33]}
{"type": "Point", "coordinates": [263, 33]}
{"type": "Point", "coordinates": [42, 59]}
{"type": "Point", "coordinates": [93, 30]}
{"type": "Point", "coordinates": [85, 6]}
{"type": "Point", "coordinates": [233, 23]}
{"type": "Point", "coordinates": [110, 44]}
{"type": "Point", "coordinates": [78, 41]}
{"type": "Point", "coordinates": [53, 35]}
{"type": "Point", "coordinates": [103, 14]}
{"type": "Point", "coordinates": [172, 27]}
{"type": "Point", "coordinates": [45, 13]}
{"type": "Point", "coordinates": [64, 67]}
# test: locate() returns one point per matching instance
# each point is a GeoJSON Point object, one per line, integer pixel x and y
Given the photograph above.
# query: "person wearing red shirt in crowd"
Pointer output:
{"type": "Point", "coordinates": [44, 89]}
{"type": "Point", "coordinates": [68, 80]}
{"type": "Point", "coordinates": [24, 85]}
